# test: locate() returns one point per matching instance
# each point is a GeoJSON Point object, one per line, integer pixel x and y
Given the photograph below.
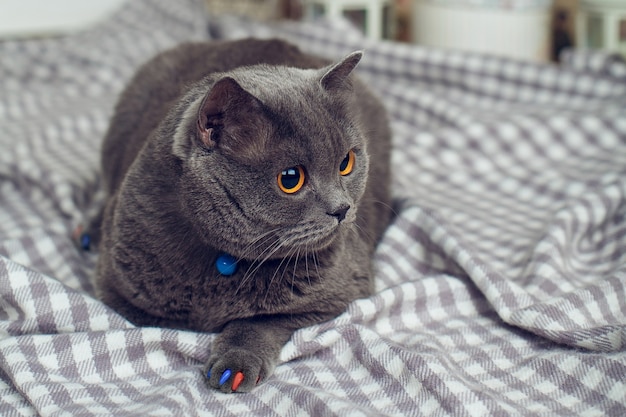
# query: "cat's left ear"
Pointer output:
{"type": "Point", "coordinates": [336, 76]}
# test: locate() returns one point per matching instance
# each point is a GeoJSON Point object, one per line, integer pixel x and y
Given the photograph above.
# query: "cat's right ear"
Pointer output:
{"type": "Point", "coordinates": [212, 109]}
{"type": "Point", "coordinates": [225, 107]}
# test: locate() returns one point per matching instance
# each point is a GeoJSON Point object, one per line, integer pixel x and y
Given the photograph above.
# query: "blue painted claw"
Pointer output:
{"type": "Point", "coordinates": [85, 241]}
{"type": "Point", "coordinates": [225, 377]}
{"type": "Point", "coordinates": [81, 238]}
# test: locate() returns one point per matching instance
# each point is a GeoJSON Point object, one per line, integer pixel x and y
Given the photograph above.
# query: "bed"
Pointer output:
{"type": "Point", "coordinates": [500, 284]}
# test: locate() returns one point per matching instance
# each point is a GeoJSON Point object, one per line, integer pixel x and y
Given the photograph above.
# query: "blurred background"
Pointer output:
{"type": "Point", "coordinates": [535, 30]}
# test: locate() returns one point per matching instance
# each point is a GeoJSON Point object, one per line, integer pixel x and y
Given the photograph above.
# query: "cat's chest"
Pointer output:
{"type": "Point", "coordinates": [288, 286]}
{"type": "Point", "coordinates": [196, 291]}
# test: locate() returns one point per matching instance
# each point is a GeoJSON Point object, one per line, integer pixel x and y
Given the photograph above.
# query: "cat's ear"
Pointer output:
{"type": "Point", "coordinates": [337, 75]}
{"type": "Point", "coordinates": [228, 111]}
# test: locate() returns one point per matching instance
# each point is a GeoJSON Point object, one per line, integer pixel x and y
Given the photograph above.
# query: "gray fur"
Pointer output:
{"type": "Point", "coordinates": [190, 165]}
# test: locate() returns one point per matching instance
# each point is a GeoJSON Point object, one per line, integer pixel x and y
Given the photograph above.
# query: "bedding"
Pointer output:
{"type": "Point", "coordinates": [500, 284]}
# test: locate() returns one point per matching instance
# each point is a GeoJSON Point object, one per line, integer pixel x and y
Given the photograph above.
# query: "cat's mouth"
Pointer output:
{"type": "Point", "coordinates": [295, 240]}
{"type": "Point", "coordinates": [299, 240]}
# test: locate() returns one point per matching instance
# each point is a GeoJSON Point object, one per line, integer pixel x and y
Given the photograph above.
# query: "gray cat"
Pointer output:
{"type": "Point", "coordinates": [247, 185]}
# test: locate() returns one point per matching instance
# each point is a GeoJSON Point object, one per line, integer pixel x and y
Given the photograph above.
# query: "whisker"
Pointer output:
{"type": "Point", "coordinates": [316, 263]}
{"type": "Point", "coordinates": [382, 203]}
{"type": "Point", "coordinates": [306, 263]}
{"type": "Point", "coordinates": [252, 247]}
{"type": "Point", "coordinates": [258, 241]}
{"type": "Point", "coordinates": [256, 264]}
{"type": "Point", "coordinates": [288, 258]}
{"type": "Point", "coordinates": [267, 244]}
{"type": "Point", "coordinates": [293, 274]}
{"type": "Point", "coordinates": [269, 286]}
{"type": "Point", "coordinates": [363, 232]}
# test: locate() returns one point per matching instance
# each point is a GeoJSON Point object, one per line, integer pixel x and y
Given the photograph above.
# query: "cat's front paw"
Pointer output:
{"type": "Point", "coordinates": [237, 370]}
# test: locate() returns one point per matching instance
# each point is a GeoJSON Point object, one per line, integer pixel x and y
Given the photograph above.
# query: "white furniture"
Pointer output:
{"type": "Point", "coordinates": [601, 24]}
{"type": "Point", "coordinates": [514, 28]}
{"type": "Point", "coordinates": [25, 18]}
{"type": "Point", "coordinates": [335, 8]}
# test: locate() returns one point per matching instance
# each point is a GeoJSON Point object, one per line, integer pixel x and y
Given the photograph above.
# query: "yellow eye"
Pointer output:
{"type": "Point", "coordinates": [347, 165]}
{"type": "Point", "coordinates": [291, 179]}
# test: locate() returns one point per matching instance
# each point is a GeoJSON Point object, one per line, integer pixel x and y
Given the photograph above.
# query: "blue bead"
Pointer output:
{"type": "Point", "coordinates": [226, 264]}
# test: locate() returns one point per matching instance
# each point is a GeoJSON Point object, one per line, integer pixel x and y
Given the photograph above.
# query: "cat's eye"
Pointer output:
{"type": "Point", "coordinates": [347, 165]}
{"type": "Point", "coordinates": [291, 179]}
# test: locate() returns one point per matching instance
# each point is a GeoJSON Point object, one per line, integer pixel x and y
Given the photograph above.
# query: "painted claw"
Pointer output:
{"type": "Point", "coordinates": [82, 238]}
{"type": "Point", "coordinates": [85, 241]}
{"type": "Point", "coordinates": [237, 380]}
{"type": "Point", "coordinates": [225, 376]}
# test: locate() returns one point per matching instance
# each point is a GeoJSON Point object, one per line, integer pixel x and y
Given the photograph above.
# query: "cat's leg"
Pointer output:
{"type": "Point", "coordinates": [246, 352]}
{"type": "Point", "coordinates": [109, 295]}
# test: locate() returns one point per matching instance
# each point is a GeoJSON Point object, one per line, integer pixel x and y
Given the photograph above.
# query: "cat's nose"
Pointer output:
{"type": "Point", "coordinates": [340, 212]}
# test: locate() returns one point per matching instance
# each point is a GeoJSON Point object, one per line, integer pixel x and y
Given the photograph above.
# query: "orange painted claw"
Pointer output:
{"type": "Point", "coordinates": [237, 380]}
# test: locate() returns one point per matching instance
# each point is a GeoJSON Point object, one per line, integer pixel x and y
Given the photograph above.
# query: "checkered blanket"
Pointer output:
{"type": "Point", "coordinates": [500, 286]}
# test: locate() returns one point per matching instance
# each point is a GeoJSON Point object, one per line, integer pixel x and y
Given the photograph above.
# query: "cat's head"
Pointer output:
{"type": "Point", "coordinates": [274, 161]}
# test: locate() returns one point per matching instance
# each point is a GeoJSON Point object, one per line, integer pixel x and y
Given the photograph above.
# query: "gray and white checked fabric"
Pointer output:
{"type": "Point", "coordinates": [501, 284]}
